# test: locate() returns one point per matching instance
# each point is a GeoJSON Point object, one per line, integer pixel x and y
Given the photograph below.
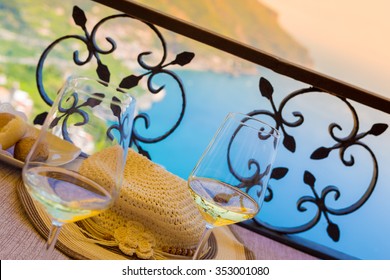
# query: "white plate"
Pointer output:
{"type": "Point", "coordinates": [60, 151]}
{"type": "Point", "coordinates": [11, 161]}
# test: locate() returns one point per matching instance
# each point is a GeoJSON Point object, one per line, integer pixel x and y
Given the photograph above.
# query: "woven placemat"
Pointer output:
{"type": "Point", "coordinates": [75, 242]}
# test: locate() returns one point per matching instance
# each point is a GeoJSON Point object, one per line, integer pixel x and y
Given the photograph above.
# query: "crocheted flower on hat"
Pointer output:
{"type": "Point", "coordinates": [135, 239]}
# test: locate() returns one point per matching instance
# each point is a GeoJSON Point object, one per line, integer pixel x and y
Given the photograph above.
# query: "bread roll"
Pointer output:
{"type": "Point", "coordinates": [12, 129]}
{"type": "Point", "coordinates": [23, 147]}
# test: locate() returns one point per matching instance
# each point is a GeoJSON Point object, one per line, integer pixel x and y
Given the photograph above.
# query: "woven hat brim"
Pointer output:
{"type": "Point", "coordinates": [73, 242]}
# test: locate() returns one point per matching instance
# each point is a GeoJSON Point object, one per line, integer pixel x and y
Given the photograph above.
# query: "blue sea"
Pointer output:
{"type": "Point", "coordinates": [210, 96]}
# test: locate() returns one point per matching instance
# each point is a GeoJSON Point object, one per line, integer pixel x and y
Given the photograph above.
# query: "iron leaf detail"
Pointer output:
{"type": "Point", "coordinates": [79, 16]}
{"type": "Point", "coordinates": [289, 143]}
{"type": "Point", "coordinates": [309, 179]}
{"type": "Point", "coordinates": [103, 72]}
{"type": "Point", "coordinates": [378, 129]}
{"type": "Point", "coordinates": [130, 81]}
{"type": "Point", "coordinates": [266, 88]}
{"type": "Point", "coordinates": [279, 173]}
{"type": "Point", "coordinates": [333, 231]}
{"type": "Point", "coordinates": [54, 122]}
{"type": "Point", "coordinates": [183, 58]}
{"type": "Point", "coordinates": [116, 110]}
{"type": "Point", "coordinates": [92, 102]}
{"type": "Point", "coordinates": [40, 119]}
{"type": "Point", "coordinates": [320, 153]}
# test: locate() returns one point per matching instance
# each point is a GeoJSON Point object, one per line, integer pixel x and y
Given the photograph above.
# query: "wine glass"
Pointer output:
{"type": "Point", "coordinates": [75, 167]}
{"type": "Point", "coordinates": [229, 181]}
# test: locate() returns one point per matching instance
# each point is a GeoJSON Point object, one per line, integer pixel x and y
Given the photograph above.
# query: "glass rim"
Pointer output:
{"type": "Point", "coordinates": [273, 131]}
{"type": "Point", "coordinates": [129, 98]}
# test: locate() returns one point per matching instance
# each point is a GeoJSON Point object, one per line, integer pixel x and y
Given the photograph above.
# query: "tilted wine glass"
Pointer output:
{"type": "Point", "coordinates": [89, 123]}
{"type": "Point", "coordinates": [229, 181]}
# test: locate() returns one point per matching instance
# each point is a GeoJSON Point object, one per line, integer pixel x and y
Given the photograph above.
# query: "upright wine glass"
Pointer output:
{"type": "Point", "coordinates": [229, 181]}
{"type": "Point", "coordinates": [75, 167]}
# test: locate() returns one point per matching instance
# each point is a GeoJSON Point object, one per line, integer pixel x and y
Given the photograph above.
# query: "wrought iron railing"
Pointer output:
{"type": "Point", "coordinates": [317, 193]}
{"type": "Point", "coordinates": [103, 71]}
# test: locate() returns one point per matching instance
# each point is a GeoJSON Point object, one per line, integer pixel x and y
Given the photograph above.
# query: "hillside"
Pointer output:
{"type": "Point", "coordinates": [248, 21]}
{"type": "Point", "coordinates": [27, 28]}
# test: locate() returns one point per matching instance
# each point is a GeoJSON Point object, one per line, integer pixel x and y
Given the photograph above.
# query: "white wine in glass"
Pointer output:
{"type": "Point", "coordinates": [221, 204]}
{"type": "Point", "coordinates": [229, 182]}
{"type": "Point", "coordinates": [66, 195]}
{"type": "Point", "coordinates": [88, 119]}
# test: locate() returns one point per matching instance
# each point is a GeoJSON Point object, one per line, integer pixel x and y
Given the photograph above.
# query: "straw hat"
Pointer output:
{"type": "Point", "coordinates": [154, 213]}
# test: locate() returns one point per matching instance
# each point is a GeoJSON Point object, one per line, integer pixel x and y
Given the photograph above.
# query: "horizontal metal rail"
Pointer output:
{"type": "Point", "coordinates": [249, 53]}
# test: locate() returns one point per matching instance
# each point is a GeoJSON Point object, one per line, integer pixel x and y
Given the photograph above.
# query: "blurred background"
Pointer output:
{"type": "Point", "coordinates": [347, 40]}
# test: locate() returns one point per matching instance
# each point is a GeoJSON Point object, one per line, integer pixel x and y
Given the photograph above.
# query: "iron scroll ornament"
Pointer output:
{"type": "Point", "coordinates": [354, 138]}
{"type": "Point", "coordinates": [257, 175]}
{"type": "Point", "coordinates": [128, 82]}
{"type": "Point", "coordinates": [78, 108]}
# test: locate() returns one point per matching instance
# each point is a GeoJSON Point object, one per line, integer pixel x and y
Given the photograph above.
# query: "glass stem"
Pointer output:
{"type": "Point", "coordinates": [203, 241]}
{"type": "Point", "coordinates": [52, 238]}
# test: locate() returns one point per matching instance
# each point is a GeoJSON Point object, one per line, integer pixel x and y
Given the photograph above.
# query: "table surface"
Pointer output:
{"type": "Point", "coordinates": [19, 240]}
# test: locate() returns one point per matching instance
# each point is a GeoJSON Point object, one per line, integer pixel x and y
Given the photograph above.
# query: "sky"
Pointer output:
{"type": "Point", "coordinates": [347, 39]}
